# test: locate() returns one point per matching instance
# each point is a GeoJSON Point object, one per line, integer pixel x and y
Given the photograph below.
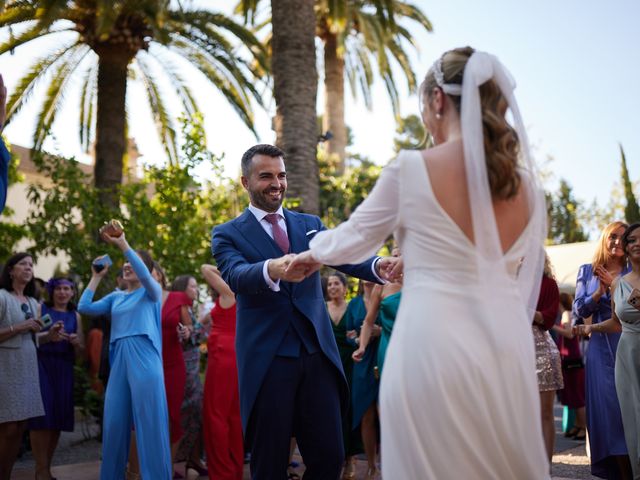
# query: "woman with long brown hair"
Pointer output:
{"type": "Point", "coordinates": [470, 220]}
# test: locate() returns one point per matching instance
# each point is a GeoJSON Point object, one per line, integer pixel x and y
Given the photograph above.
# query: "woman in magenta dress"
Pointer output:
{"type": "Point", "coordinates": [55, 368]}
{"type": "Point", "coordinates": [221, 415]}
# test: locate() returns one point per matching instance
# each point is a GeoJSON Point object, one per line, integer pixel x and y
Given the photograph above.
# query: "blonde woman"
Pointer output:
{"type": "Point", "coordinates": [609, 457]}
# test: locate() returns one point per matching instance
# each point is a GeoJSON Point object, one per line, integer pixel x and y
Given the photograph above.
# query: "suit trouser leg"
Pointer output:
{"type": "Point", "coordinates": [116, 428]}
{"type": "Point", "coordinates": [318, 420]}
{"type": "Point", "coordinates": [270, 426]}
{"type": "Point", "coordinates": [150, 414]}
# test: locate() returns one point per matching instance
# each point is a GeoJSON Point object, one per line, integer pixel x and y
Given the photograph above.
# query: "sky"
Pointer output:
{"type": "Point", "coordinates": [576, 64]}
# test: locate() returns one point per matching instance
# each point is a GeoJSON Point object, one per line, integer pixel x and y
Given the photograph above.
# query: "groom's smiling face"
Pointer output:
{"type": "Point", "coordinates": [266, 183]}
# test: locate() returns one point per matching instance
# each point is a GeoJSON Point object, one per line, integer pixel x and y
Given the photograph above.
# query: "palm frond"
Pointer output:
{"type": "Point", "coordinates": [87, 99]}
{"type": "Point", "coordinates": [233, 93]}
{"type": "Point", "coordinates": [27, 36]}
{"type": "Point", "coordinates": [17, 13]}
{"type": "Point", "coordinates": [55, 94]}
{"type": "Point", "coordinates": [28, 82]}
{"type": "Point", "coordinates": [159, 110]}
{"type": "Point", "coordinates": [177, 81]}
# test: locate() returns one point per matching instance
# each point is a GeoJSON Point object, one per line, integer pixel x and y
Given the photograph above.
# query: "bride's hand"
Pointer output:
{"type": "Point", "coordinates": [304, 262]}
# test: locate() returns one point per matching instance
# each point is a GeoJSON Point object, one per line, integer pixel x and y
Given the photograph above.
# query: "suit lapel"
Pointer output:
{"type": "Point", "coordinates": [253, 232]}
{"type": "Point", "coordinates": [251, 229]}
{"type": "Point", "coordinates": [296, 232]}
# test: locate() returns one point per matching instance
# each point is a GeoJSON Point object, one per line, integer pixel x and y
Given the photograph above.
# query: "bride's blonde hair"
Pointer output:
{"type": "Point", "coordinates": [501, 145]}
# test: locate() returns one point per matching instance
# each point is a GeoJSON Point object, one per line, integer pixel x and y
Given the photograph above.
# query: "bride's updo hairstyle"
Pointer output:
{"type": "Point", "coordinates": [500, 139]}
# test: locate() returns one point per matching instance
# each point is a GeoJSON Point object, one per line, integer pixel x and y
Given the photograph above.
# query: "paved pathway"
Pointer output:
{"type": "Point", "coordinates": [75, 459]}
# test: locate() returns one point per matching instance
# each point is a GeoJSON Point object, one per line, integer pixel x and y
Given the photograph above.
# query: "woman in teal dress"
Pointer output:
{"type": "Point", "coordinates": [626, 317]}
{"type": "Point", "coordinates": [364, 385]}
{"type": "Point", "coordinates": [336, 291]}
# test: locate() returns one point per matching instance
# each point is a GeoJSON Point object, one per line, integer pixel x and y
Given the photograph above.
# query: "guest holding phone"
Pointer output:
{"type": "Point", "coordinates": [55, 367]}
{"type": "Point", "coordinates": [135, 392]}
{"type": "Point", "coordinates": [19, 386]}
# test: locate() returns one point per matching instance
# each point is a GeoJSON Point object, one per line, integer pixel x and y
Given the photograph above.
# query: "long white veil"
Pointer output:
{"type": "Point", "coordinates": [491, 261]}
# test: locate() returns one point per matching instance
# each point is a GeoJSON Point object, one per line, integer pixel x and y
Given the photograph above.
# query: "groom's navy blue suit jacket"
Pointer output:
{"type": "Point", "coordinates": [264, 317]}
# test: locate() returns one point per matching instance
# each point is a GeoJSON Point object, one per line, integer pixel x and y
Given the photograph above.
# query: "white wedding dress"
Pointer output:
{"type": "Point", "coordinates": [458, 396]}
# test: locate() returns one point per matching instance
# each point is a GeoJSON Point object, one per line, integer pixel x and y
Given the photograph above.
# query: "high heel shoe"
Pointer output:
{"type": "Point", "coordinates": [349, 471]}
{"type": "Point", "coordinates": [372, 474]}
{"type": "Point", "coordinates": [580, 435]}
{"type": "Point", "coordinates": [202, 471]}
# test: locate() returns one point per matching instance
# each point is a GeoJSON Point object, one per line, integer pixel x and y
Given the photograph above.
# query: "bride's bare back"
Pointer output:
{"type": "Point", "coordinates": [445, 165]}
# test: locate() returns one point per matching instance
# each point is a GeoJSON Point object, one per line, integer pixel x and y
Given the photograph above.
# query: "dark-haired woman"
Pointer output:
{"type": "Point", "coordinates": [55, 366]}
{"type": "Point", "coordinates": [221, 410]}
{"type": "Point", "coordinates": [185, 290]}
{"type": "Point", "coordinates": [470, 221]}
{"type": "Point", "coordinates": [336, 291]}
{"type": "Point", "coordinates": [19, 386]}
{"type": "Point", "coordinates": [175, 318]}
{"type": "Point", "coordinates": [135, 392]}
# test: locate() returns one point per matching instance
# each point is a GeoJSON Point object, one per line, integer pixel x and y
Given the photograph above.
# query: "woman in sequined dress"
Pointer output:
{"type": "Point", "coordinates": [548, 365]}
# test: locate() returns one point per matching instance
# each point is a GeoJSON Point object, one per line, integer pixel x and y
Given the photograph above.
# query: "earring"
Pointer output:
{"type": "Point", "coordinates": [438, 116]}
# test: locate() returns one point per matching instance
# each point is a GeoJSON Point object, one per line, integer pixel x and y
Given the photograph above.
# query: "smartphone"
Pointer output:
{"type": "Point", "coordinates": [634, 298]}
{"type": "Point", "coordinates": [45, 320]}
{"type": "Point", "coordinates": [101, 263]}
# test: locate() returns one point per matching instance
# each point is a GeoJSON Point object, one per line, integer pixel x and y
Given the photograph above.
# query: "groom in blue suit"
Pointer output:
{"type": "Point", "coordinates": [290, 375]}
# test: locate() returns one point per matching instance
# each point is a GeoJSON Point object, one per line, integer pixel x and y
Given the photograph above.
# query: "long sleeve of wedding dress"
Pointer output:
{"type": "Point", "coordinates": [368, 227]}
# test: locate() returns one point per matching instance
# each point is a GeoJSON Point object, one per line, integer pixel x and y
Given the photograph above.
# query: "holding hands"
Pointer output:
{"type": "Point", "coordinates": [300, 266]}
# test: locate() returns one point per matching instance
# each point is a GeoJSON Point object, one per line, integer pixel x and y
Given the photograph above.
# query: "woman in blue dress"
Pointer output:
{"type": "Point", "coordinates": [626, 318]}
{"type": "Point", "coordinates": [135, 392]}
{"type": "Point", "coordinates": [55, 368]}
{"type": "Point", "coordinates": [609, 457]}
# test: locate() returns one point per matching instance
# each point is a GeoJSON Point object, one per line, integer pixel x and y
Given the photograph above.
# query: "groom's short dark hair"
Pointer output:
{"type": "Point", "coordinates": [261, 149]}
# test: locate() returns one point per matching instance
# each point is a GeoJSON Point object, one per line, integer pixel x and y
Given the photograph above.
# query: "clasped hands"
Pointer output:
{"type": "Point", "coordinates": [296, 267]}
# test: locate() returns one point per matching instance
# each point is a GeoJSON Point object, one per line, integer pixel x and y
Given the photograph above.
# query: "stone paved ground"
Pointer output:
{"type": "Point", "coordinates": [77, 459]}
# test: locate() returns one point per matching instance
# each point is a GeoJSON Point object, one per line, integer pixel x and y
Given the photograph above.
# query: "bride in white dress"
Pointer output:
{"type": "Point", "coordinates": [459, 396]}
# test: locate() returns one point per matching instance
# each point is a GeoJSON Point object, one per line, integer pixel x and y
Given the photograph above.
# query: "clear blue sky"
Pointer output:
{"type": "Point", "coordinates": [577, 65]}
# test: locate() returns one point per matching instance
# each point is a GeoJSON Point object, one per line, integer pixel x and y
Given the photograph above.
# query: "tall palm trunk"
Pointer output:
{"type": "Point", "coordinates": [110, 126]}
{"type": "Point", "coordinates": [295, 86]}
{"type": "Point", "coordinates": [333, 119]}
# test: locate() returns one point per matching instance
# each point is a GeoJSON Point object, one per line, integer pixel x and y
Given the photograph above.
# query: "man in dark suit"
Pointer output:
{"type": "Point", "coordinates": [290, 375]}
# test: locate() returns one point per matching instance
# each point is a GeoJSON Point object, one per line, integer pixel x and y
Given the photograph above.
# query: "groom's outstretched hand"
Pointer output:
{"type": "Point", "coordinates": [390, 268]}
{"type": "Point", "coordinates": [279, 269]}
{"type": "Point", "coordinates": [304, 263]}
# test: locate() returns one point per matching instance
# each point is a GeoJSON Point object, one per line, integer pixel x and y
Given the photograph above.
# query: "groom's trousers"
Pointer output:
{"type": "Point", "coordinates": [299, 397]}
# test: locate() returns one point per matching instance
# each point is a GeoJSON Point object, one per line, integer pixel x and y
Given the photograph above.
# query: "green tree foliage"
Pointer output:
{"type": "Point", "coordinates": [341, 194]}
{"type": "Point", "coordinates": [564, 212]}
{"type": "Point", "coordinates": [169, 212]}
{"type": "Point", "coordinates": [411, 134]}
{"type": "Point", "coordinates": [11, 233]}
{"type": "Point", "coordinates": [631, 209]}
{"type": "Point", "coordinates": [106, 44]}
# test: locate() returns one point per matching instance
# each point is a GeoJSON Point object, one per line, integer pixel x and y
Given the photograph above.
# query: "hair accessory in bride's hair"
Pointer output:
{"type": "Point", "coordinates": [448, 88]}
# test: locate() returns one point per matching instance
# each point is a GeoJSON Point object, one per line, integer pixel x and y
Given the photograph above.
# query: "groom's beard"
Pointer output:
{"type": "Point", "coordinates": [268, 200]}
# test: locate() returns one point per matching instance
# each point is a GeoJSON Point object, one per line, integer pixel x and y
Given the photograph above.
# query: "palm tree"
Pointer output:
{"type": "Point", "coordinates": [357, 34]}
{"type": "Point", "coordinates": [107, 43]}
{"type": "Point", "coordinates": [295, 86]}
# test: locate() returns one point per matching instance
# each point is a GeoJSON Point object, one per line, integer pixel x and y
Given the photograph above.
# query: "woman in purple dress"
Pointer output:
{"type": "Point", "coordinates": [55, 368]}
{"type": "Point", "coordinates": [609, 457]}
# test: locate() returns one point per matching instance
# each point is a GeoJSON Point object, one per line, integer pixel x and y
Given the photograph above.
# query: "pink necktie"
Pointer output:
{"type": "Point", "coordinates": [279, 235]}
